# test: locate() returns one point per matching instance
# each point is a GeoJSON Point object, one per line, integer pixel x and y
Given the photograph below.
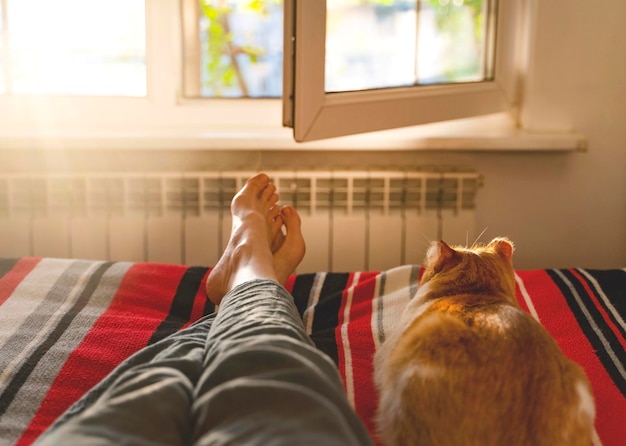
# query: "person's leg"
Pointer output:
{"type": "Point", "coordinates": [257, 379]}
{"type": "Point", "coordinates": [264, 382]}
{"type": "Point", "coordinates": [147, 399]}
{"type": "Point", "coordinates": [127, 407]}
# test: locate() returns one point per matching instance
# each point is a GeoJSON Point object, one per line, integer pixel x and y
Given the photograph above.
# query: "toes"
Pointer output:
{"type": "Point", "coordinates": [262, 178]}
{"type": "Point", "coordinates": [293, 232]}
{"type": "Point", "coordinates": [292, 249]}
{"type": "Point", "coordinates": [273, 199]}
{"type": "Point", "coordinates": [254, 187]}
{"type": "Point", "coordinates": [274, 219]}
{"type": "Point", "coordinates": [268, 194]}
{"type": "Point", "coordinates": [258, 182]}
{"type": "Point", "coordinates": [291, 218]}
{"type": "Point", "coordinates": [272, 213]}
{"type": "Point", "coordinates": [262, 187]}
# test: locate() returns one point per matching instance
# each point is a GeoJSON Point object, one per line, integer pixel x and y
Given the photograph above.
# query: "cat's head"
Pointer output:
{"type": "Point", "coordinates": [479, 269]}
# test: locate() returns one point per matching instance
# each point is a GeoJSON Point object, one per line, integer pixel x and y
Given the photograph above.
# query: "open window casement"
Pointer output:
{"type": "Point", "coordinates": [314, 113]}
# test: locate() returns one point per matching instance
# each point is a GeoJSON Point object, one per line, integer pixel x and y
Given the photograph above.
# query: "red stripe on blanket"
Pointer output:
{"type": "Point", "coordinates": [291, 281]}
{"type": "Point", "coordinates": [12, 279]}
{"type": "Point", "coordinates": [556, 316]}
{"type": "Point", "coordinates": [139, 306]}
{"type": "Point", "coordinates": [362, 346]}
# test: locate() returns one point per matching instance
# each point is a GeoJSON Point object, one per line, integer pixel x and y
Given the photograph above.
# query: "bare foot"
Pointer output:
{"type": "Point", "coordinates": [256, 233]}
{"type": "Point", "coordinates": [289, 253]}
{"type": "Point", "coordinates": [249, 248]}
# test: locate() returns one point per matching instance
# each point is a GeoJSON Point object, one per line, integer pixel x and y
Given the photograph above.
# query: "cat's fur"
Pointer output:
{"type": "Point", "coordinates": [468, 366]}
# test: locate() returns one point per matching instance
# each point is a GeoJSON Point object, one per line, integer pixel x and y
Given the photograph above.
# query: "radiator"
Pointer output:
{"type": "Point", "coordinates": [352, 220]}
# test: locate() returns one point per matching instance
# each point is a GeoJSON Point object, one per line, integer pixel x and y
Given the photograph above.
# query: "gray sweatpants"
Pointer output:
{"type": "Point", "coordinates": [248, 375]}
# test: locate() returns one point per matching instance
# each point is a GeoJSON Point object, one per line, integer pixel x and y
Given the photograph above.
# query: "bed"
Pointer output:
{"type": "Point", "coordinates": [65, 324]}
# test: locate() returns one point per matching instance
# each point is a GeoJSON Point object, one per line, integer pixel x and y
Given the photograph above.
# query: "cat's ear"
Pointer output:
{"type": "Point", "coordinates": [441, 257]}
{"type": "Point", "coordinates": [503, 246]}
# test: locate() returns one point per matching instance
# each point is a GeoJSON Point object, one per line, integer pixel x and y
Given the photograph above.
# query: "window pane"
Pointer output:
{"type": "Point", "coordinates": [393, 43]}
{"type": "Point", "coordinates": [370, 44]}
{"type": "Point", "coordinates": [77, 47]}
{"type": "Point", "coordinates": [452, 41]}
{"type": "Point", "coordinates": [241, 48]}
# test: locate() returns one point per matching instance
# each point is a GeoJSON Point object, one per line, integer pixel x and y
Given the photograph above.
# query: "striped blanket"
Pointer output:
{"type": "Point", "coordinates": [65, 324]}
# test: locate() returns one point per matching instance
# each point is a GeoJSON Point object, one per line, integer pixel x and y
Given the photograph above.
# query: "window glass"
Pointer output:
{"type": "Point", "coordinates": [393, 43]}
{"type": "Point", "coordinates": [241, 47]}
{"type": "Point", "coordinates": [453, 41]}
{"type": "Point", "coordinates": [370, 44]}
{"type": "Point", "coordinates": [75, 47]}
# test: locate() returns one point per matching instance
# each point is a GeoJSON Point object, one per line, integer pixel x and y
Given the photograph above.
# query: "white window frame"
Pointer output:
{"type": "Point", "coordinates": [315, 114]}
{"type": "Point", "coordinates": [165, 120]}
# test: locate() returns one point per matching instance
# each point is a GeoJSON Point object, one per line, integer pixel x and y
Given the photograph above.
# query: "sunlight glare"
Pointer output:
{"type": "Point", "coordinates": [83, 47]}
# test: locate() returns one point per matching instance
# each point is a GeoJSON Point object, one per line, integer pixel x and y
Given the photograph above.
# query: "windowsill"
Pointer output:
{"type": "Point", "coordinates": [477, 134]}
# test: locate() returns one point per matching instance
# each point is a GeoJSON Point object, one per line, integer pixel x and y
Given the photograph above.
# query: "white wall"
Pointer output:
{"type": "Point", "coordinates": [568, 210]}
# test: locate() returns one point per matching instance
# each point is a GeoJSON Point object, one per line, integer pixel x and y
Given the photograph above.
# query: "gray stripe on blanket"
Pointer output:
{"type": "Point", "coordinates": [46, 318]}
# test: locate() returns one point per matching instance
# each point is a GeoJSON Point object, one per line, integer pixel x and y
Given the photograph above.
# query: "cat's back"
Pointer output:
{"type": "Point", "coordinates": [486, 374]}
{"type": "Point", "coordinates": [475, 369]}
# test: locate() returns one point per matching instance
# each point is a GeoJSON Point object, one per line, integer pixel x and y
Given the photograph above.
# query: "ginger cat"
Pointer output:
{"type": "Point", "coordinates": [469, 367]}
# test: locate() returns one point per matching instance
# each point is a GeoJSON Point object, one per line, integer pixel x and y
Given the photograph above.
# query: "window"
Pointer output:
{"type": "Point", "coordinates": [358, 65]}
{"type": "Point", "coordinates": [475, 77]}
{"type": "Point", "coordinates": [234, 49]}
{"type": "Point", "coordinates": [167, 73]}
{"type": "Point", "coordinates": [73, 47]}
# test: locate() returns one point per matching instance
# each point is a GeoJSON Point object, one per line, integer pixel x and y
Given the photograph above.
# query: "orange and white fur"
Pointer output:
{"type": "Point", "coordinates": [468, 366]}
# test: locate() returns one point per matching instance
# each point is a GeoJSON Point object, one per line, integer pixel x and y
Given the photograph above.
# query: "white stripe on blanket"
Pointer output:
{"type": "Point", "coordinates": [388, 306]}
{"type": "Point", "coordinates": [28, 295]}
{"type": "Point", "coordinates": [527, 299]}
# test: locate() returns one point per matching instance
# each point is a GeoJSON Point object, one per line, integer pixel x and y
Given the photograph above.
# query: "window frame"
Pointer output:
{"type": "Point", "coordinates": [166, 120]}
{"type": "Point", "coordinates": [314, 114]}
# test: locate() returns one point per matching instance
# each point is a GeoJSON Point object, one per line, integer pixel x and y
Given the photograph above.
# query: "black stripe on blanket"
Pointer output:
{"type": "Point", "coordinates": [604, 342]}
{"type": "Point", "coordinates": [51, 338]}
{"type": "Point", "coordinates": [326, 315]}
{"type": "Point", "coordinates": [302, 290]}
{"type": "Point", "coordinates": [612, 283]}
{"type": "Point", "coordinates": [182, 303]}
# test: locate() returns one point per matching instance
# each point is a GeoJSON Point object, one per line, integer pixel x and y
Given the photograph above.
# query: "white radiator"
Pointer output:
{"type": "Point", "coordinates": [352, 220]}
